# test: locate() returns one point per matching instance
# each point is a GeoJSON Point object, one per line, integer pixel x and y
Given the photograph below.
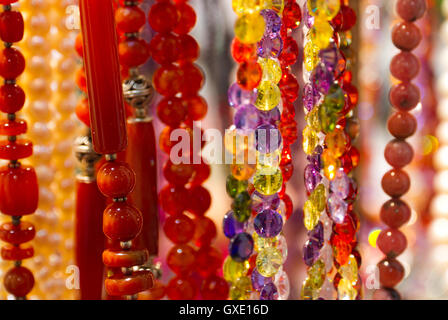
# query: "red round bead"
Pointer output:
{"type": "Point", "coordinates": [163, 17]}
{"type": "Point", "coordinates": [11, 26]}
{"type": "Point", "coordinates": [122, 221]}
{"type": "Point", "coordinates": [167, 80]}
{"type": "Point", "coordinates": [19, 281]}
{"type": "Point", "coordinates": [391, 242]}
{"type": "Point", "coordinates": [396, 183]}
{"type": "Point", "coordinates": [202, 173]}
{"type": "Point", "coordinates": [12, 128]}
{"type": "Point", "coordinates": [208, 261]}
{"type": "Point", "coordinates": [179, 229]}
{"type": "Point", "coordinates": [406, 36]}
{"type": "Point", "coordinates": [395, 213]}
{"type": "Point", "coordinates": [391, 272]}
{"type": "Point", "coordinates": [17, 234]}
{"type": "Point", "coordinates": [181, 289]}
{"type": "Point", "coordinates": [133, 52]}
{"type": "Point", "coordinates": [178, 174]}
{"type": "Point", "coordinates": [214, 288]}
{"type": "Point", "coordinates": [289, 87]}
{"type": "Point", "coordinates": [187, 18]}
{"type": "Point", "coordinates": [165, 48]}
{"type": "Point", "coordinates": [290, 52]}
{"type": "Point", "coordinates": [402, 125]}
{"type": "Point", "coordinates": [404, 66]}
{"type": "Point", "coordinates": [249, 75]}
{"type": "Point", "coordinates": [174, 199]}
{"type": "Point", "coordinates": [12, 63]}
{"type": "Point", "coordinates": [181, 259]}
{"type": "Point", "coordinates": [82, 111]}
{"type": "Point", "coordinates": [205, 231]}
{"type": "Point", "coordinates": [197, 107]}
{"type": "Point", "coordinates": [130, 19]}
{"type": "Point", "coordinates": [81, 80]}
{"type": "Point", "coordinates": [292, 15]}
{"type": "Point", "coordinates": [411, 10]}
{"type": "Point", "coordinates": [398, 153]}
{"type": "Point", "coordinates": [172, 111]}
{"type": "Point", "coordinates": [14, 150]}
{"type": "Point", "coordinates": [16, 253]}
{"type": "Point", "coordinates": [192, 79]}
{"type": "Point", "coordinates": [79, 45]}
{"type": "Point", "coordinates": [242, 51]}
{"type": "Point", "coordinates": [12, 98]}
{"type": "Point", "coordinates": [404, 96]}
{"type": "Point", "coordinates": [188, 48]}
{"type": "Point", "coordinates": [116, 179]}
{"type": "Point", "coordinates": [201, 200]}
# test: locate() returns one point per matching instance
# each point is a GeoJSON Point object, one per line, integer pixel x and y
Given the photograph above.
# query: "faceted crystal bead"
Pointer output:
{"type": "Point", "coordinates": [269, 292]}
{"type": "Point", "coordinates": [241, 289]}
{"type": "Point", "coordinates": [281, 281]}
{"type": "Point", "coordinates": [310, 215]}
{"type": "Point", "coordinates": [270, 47]}
{"type": "Point", "coordinates": [311, 56]}
{"type": "Point", "coordinates": [269, 261]}
{"type": "Point", "coordinates": [282, 246]}
{"type": "Point", "coordinates": [321, 33]}
{"type": "Point", "coordinates": [317, 274]}
{"type": "Point", "coordinates": [268, 224]}
{"type": "Point", "coordinates": [232, 270]}
{"type": "Point", "coordinates": [337, 208]}
{"type": "Point", "coordinates": [317, 234]}
{"type": "Point", "coordinates": [271, 70]}
{"type": "Point", "coordinates": [273, 21]}
{"type": "Point", "coordinates": [241, 7]}
{"type": "Point", "coordinates": [241, 247]}
{"type": "Point", "coordinates": [318, 198]}
{"type": "Point", "coordinates": [261, 202]}
{"type": "Point", "coordinates": [268, 138]}
{"type": "Point", "coordinates": [260, 243]}
{"type": "Point", "coordinates": [268, 184]}
{"type": "Point", "coordinates": [324, 9]}
{"type": "Point", "coordinates": [308, 292]}
{"type": "Point", "coordinates": [238, 96]}
{"type": "Point", "coordinates": [242, 206]}
{"type": "Point", "coordinates": [346, 290]}
{"type": "Point", "coordinates": [310, 140]}
{"type": "Point", "coordinates": [349, 271]}
{"type": "Point", "coordinates": [247, 117]}
{"type": "Point", "coordinates": [269, 96]}
{"type": "Point", "coordinates": [258, 281]}
{"type": "Point", "coordinates": [232, 226]}
{"type": "Point", "coordinates": [310, 252]}
{"type": "Point", "coordinates": [340, 185]}
{"type": "Point", "coordinates": [249, 28]}
{"type": "Point", "coordinates": [312, 178]}
{"type": "Point", "coordinates": [234, 186]}
{"type": "Point", "coordinates": [321, 79]}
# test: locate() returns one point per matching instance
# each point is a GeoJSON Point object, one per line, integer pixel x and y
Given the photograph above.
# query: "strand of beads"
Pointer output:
{"type": "Point", "coordinates": [184, 199]}
{"type": "Point", "coordinates": [249, 29]}
{"type": "Point", "coordinates": [19, 193]}
{"type": "Point", "coordinates": [318, 85]}
{"type": "Point", "coordinates": [404, 96]}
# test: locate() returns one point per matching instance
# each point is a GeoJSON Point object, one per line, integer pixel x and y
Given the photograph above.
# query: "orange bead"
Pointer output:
{"type": "Point", "coordinates": [165, 48]}
{"type": "Point", "coordinates": [179, 229]}
{"type": "Point", "coordinates": [15, 253]}
{"type": "Point", "coordinates": [17, 234]}
{"type": "Point", "coordinates": [81, 80]}
{"type": "Point", "coordinates": [243, 52]}
{"type": "Point", "coordinates": [205, 231]}
{"type": "Point", "coordinates": [167, 80]}
{"type": "Point", "coordinates": [201, 200]}
{"type": "Point", "coordinates": [197, 107]}
{"type": "Point", "coordinates": [15, 150]}
{"type": "Point", "coordinates": [126, 258]}
{"type": "Point", "coordinates": [181, 289]}
{"type": "Point", "coordinates": [249, 75]}
{"type": "Point", "coordinates": [187, 18]}
{"type": "Point", "coordinates": [130, 19]}
{"type": "Point", "coordinates": [163, 17]}
{"type": "Point", "coordinates": [133, 52]}
{"type": "Point", "coordinates": [12, 128]}
{"type": "Point", "coordinates": [172, 111]}
{"type": "Point", "coordinates": [116, 179]}
{"type": "Point", "coordinates": [188, 48]}
{"type": "Point", "coordinates": [181, 259]}
{"type": "Point", "coordinates": [82, 111]}
{"type": "Point", "coordinates": [214, 288]}
{"type": "Point", "coordinates": [157, 292]}
{"type": "Point", "coordinates": [19, 281]}
{"type": "Point", "coordinates": [174, 199]}
{"type": "Point", "coordinates": [120, 285]}
{"type": "Point", "coordinates": [192, 79]}
{"type": "Point", "coordinates": [122, 221]}
{"type": "Point", "coordinates": [208, 261]}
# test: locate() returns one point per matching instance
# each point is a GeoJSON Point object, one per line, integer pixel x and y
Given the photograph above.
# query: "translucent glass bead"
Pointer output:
{"type": "Point", "coordinates": [273, 22]}
{"type": "Point", "coordinates": [334, 100]}
{"type": "Point", "coordinates": [242, 206]}
{"type": "Point", "coordinates": [271, 70]}
{"type": "Point", "coordinates": [268, 139]}
{"type": "Point", "coordinates": [249, 28]}
{"type": "Point", "coordinates": [258, 281]}
{"type": "Point", "coordinates": [234, 186]}
{"type": "Point", "coordinates": [311, 53]}
{"type": "Point", "coordinates": [261, 202]}
{"type": "Point", "coordinates": [311, 215]}
{"type": "Point", "coordinates": [317, 274]}
{"type": "Point", "coordinates": [232, 270]}
{"type": "Point", "coordinates": [321, 33]}
{"type": "Point", "coordinates": [241, 7]}
{"type": "Point", "coordinates": [318, 198]}
{"type": "Point", "coordinates": [247, 117]}
{"type": "Point", "coordinates": [268, 184]}
{"type": "Point", "coordinates": [310, 140]}
{"type": "Point", "coordinates": [346, 290]}
{"type": "Point", "coordinates": [238, 96]}
{"type": "Point", "coordinates": [269, 261]}
{"type": "Point", "coordinates": [349, 271]}
{"type": "Point", "coordinates": [241, 289]}
{"type": "Point", "coordinates": [340, 185]}
{"type": "Point", "coordinates": [261, 243]}
{"type": "Point", "coordinates": [270, 46]}
{"type": "Point", "coordinates": [267, 163]}
{"type": "Point", "coordinates": [308, 292]}
{"type": "Point", "coordinates": [269, 96]}
{"type": "Point", "coordinates": [281, 280]}
{"type": "Point", "coordinates": [282, 246]}
{"type": "Point", "coordinates": [269, 292]}
{"type": "Point", "coordinates": [326, 9]}
{"type": "Point", "coordinates": [241, 247]}
{"type": "Point", "coordinates": [312, 119]}
{"type": "Point", "coordinates": [337, 142]}
{"type": "Point", "coordinates": [277, 5]}
{"type": "Point", "coordinates": [232, 226]}
{"type": "Point", "coordinates": [337, 208]}
{"type": "Point", "coordinates": [242, 171]}
{"type": "Point", "coordinates": [268, 223]}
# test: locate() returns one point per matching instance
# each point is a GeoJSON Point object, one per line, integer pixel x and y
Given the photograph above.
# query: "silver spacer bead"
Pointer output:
{"type": "Point", "coordinates": [87, 158]}
{"type": "Point", "coordinates": [126, 245]}
{"type": "Point", "coordinates": [110, 157]}
{"type": "Point", "coordinates": [138, 93]}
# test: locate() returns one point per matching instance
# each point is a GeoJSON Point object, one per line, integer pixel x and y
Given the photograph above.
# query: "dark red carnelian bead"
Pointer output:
{"type": "Point", "coordinates": [205, 231]}
{"type": "Point", "coordinates": [404, 66]}
{"type": "Point", "coordinates": [12, 63]}
{"type": "Point", "coordinates": [242, 51]}
{"type": "Point", "coordinates": [398, 153]}
{"type": "Point", "coordinates": [79, 45]}
{"type": "Point", "coordinates": [12, 128]}
{"type": "Point", "coordinates": [392, 242]}
{"type": "Point", "coordinates": [171, 111]}
{"type": "Point", "coordinates": [14, 150]}
{"type": "Point", "coordinates": [202, 173]}
{"type": "Point", "coordinates": [82, 111]}
{"type": "Point", "coordinates": [187, 18]}
{"type": "Point", "coordinates": [192, 79]}
{"type": "Point", "coordinates": [181, 259]}
{"type": "Point", "coordinates": [122, 221]}
{"type": "Point", "coordinates": [391, 272]}
{"type": "Point", "coordinates": [15, 253]}
{"type": "Point", "coordinates": [121, 285]}
{"type": "Point", "coordinates": [133, 52]}
{"type": "Point", "coordinates": [178, 174]}
{"type": "Point", "coordinates": [167, 80]}
{"type": "Point", "coordinates": [19, 281]}
{"type": "Point", "coordinates": [165, 142]}
{"type": "Point", "coordinates": [404, 96]}
{"type": "Point", "coordinates": [174, 199]}
{"type": "Point", "coordinates": [124, 258]}
{"type": "Point", "coordinates": [396, 183]}
{"type": "Point", "coordinates": [130, 19]}
{"type": "Point", "coordinates": [289, 87]}
{"type": "Point", "coordinates": [19, 192]}
{"type": "Point", "coordinates": [348, 18]}
{"type": "Point", "coordinates": [395, 213]}
{"type": "Point", "coordinates": [188, 48]}
{"type": "Point", "coordinates": [17, 234]}
{"type": "Point", "coordinates": [196, 106]}
{"type": "Point", "coordinates": [411, 10]}
{"type": "Point", "coordinates": [402, 125]}
{"type": "Point", "coordinates": [5, 2]}
{"type": "Point", "coordinates": [406, 36]}
{"type": "Point", "coordinates": [292, 15]}
{"type": "Point", "coordinates": [208, 260]}
{"type": "Point", "coordinates": [12, 98]}
{"type": "Point", "coordinates": [290, 52]}
{"type": "Point", "coordinates": [249, 75]}
{"type": "Point", "coordinates": [214, 288]}
{"type": "Point", "coordinates": [181, 289]}
{"type": "Point", "coordinates": [81, 80]}
{"type": "Point", "coordinates": [163, 17]}
{"type": "Point", "coordinates": [11, 26]}
{"type": "Point", "coordinates": [201, 200]}
{"type": "Point", "coordinates": [116, 179]}
{"type": "Point", "coordinates": [165, 48]}
{"type": "Point", "coordinates": [179, 229]}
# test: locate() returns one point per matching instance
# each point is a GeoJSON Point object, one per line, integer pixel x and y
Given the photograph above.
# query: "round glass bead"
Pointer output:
{"type": "Point", "coordinates": [247, 117]}
{"type": "Point", "coordinates": [337, 208]}
{"type": "Point", "coordinates": [270, 47]}
{"type": "Point", "coordinates": [321, 33]}
{"type": "Point", "coordinates": [268, 184]}
{"type": "Point", "coordinates": [232, 270]}
{"type": "Point", "coordinates": [241, 289]}
{"type": "Point", "coordinates": [268, 223]}
{"type": "Point", "coordinates": [241, 7]}
{"type": "Point", "coordinates": [272, 20]}
{"type": "Point", "coordinates": [249, 75]}
{"type": "Point", "coordinates": [269, 261]}
{"type": "Point", "coordinates": [258, 281]}
{"type": "Point", "coordinates": [268, 139]}
{"type": "Point", "coordinates": [241, 247]}
{"type": "Point", "coordinates": [242, 206]}
{"type": "Point", "coordinates": [269, 292]}
{"type": "Point", "coordinates": [261, 202]}
{"type": "Point", "coordinates": [269, 96]}
{"type": "Point", "coordinates": [324, 9]}
{"type": "Point", "coordinates": [346, 290]}
{"type": "Point", "coordinates": [238, 96]}
{"type": "Point", "coordinates": [271, 70]}
{"type": "Point", "coordinates": [249, 28]}
{"type": "Point", "coordinates": [234, 186]}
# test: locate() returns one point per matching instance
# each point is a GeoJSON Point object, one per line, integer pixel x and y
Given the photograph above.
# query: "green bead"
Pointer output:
{"type": "Point", "coordinates": [328, 119]}
{"type": "Point", "coordinates": [241, 206]}
{"type": "Point", "coordinates": [269, 261]}
{"type": "Point", "coordinates": [234, 186]}
{"type": "Point", "coordinates": [308, 292]}
{"type": "Point", "coordinates": [232, 270]}
{"type": "Point", "coordinates": [317, 274]}
{"type": "Point", "coordinates": [241, 289]}
{"type": "Point", "coordinates": [334, 100]}
{"type": "Point", "coordinates": [268, 184]}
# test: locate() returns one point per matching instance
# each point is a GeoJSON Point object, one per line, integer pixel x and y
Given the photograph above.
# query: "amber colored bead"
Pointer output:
{"type": "Point", "coordinates": [122, 221]}
{"type": "Point", "coordinates": [116, 179]}
{"type": "Point", "coordinates": [395, 213]}
{"type": "Point", "coordinates": [163, 17]}
{"type": "Point", "coordinates": [402, 125]}
{"type": "Point", "coordinates": [341, 248]}
{"type": "Point", "coordinates": [406, 36]}
{"type": "Point", "coordinates": [167, 80]}
{"type": "Point", "coordinates": [12, 63]}
{"type": "Point", "coordinates": [181, 289]}
{"type": "Point", "coordinates": [17, 234]}
{"type": "Point", "coordinates": [214, 288]}
{"type": "Point", "coordinates": [81, 81]}
{"type": "Point", "coordinates": [243, 51]}
{"type": "Point", "coordinates": [11, 26]}
{"type": "Point", "coordinates": [197, 107]}
{"type": "Point", "coordinates": [120, 285]}
{"type": "Point", "coordinates": [396, 183]}
{"type": "Point", "coordinates": [79, 45]}
{"type": "Point", "coordinates": [157, 292]}
{"type": "Point", "coordinates": [130, 19]}
{"type": "Point", "coordinates": [392, 242]}
{"type": "Point", "coordinates": [411, 10]}
{"type": "Point", "coordinates": [18, 281]}
{"type": "Point", "coordinates": [249, 75]}
{"type": "Point", "coordinates": [391, 272]}
{"type": "Point", "coordinates": [192, 79]}
{"type": "Point", "coordinates": [125, 258]}
{"type": "Point", "coordinates": [179, 229]}
{"type": "Point", "coordinates": [208, 260]}
{"type": "Point", "coordinates": [398, 153]}
{"type": "Point", "coordinates": [19, 192]}
{"type": "Point", "coordinates": [12, 128]}
{"type": "Point", "coordinates": [82, 111]}
{"type": "Point", "coordinates": [12, 98]}
{"type": "Point", "coordinates": [200, 200]}
{"type": "Point", "coordinates": [404, 66]}
{"type": "Point", "coordinates": [171, 111]}
{"type": "Point", "coordinates": [205, 231]}
{"type": "Point", "coordinates": [188, 48]}
{"type": "Point", "coordinates": [187, 18]}
{"type": "Point", "coordinates": [15, 253]}
{"type": "Point", "coordinates": [404, 96]}
{"type": "Point", "coordinates": [133, 52]}
{"type": "Point", "coordinates": [174, 199]}
{"type": "Point", "coordinates": [165, 48]}
{"type": "Point", "coordinates": [178, 174]}
{"type": "Point", "coordinates": [181, 259]}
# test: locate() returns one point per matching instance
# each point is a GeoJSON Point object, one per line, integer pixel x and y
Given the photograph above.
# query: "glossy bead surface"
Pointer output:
{"type": "Point", "coordinates": [179, 229]}
{"type": "Point", "coordinates": [116, 179]}
{"type": "Point", "coordinates": [249, 28]}
{"type": "Point", "coordinates": [241, 247]}
{"type": "Point", "coordinates": [120, 285]}
{"type": "Point", "coordinates": [396, 183]}
{"type": "Point", "coordinates": [214, 288]}
{"type": "Point", "coordinates": [402, 125]}
{"type": "Point", "coordinates": [205, 231]}
{"type": "Point", "coordinates": [18, 281]}
{"type": "Point", "coordinates": [391, 272]}
{"type": "Point", "coordinates": [202, 200]}
{"type": "Point", "coordinates": [12, 98]}
{"type": "Point", "coordinates": [391, 242]}
{"type": "Point", "coordinates": [395, 213]}
{"type": "Point", "coordinates": [11, 26]}
{"type": "Point", "coordinates": [122, 221]}
{"type": "Point", "coordinates": [181, 259]}
{"type": "Point", "coordinates": [126, 259]}
{"type": "Point", "coordinates": [249, 75]}
{"type": "Point", "coordinates": [173, 199]}
{"type": "Point", "coordinates": [130, 19]}
{"type": "Point", "coordinates": [13, 128]}
{"type": "Point", "coordinates": [17, 234]}
{"type": "Point", "coordinates": [12, 63]}
{"type": "Point", "coordinates": [163, 17]}
{"type": "Point", "coordinates": [187, 18]}
{"type": "Point", "coordinates": [181, 289]}
{"type": "Point", "coordinates": [406, 36]}
{"type": "Point", "coordinates": [404, 96]}
{"type": "Point", "coordinates": [411, 10]}
{"type": "Point", "coordinates": [404, 66]}
{"type": "Point", "coordinates": [133, 52]}
{"type": "Point", "coordinates": [398, 153]}
{"type": "Point", "coordinates": [16, 253]}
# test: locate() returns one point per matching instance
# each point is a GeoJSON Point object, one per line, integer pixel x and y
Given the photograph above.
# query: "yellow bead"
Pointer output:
{"type": "Point", "coordinates": [237, 142]}
{"type": "Point", "coordinates": [318, 198]}
{"type": "Point", "coordinates": [312, 119]}
{"type": "Point", "coordinates": [242, 171]}
{"type": "Point", "coordinates": [272, 71]}
{"type": "Point", "coordinates": [310, 140]}
{"type": "Point", "coordinates": [346, 290]}
{"type": "Point", "coordinates": [277, 6]}
{"type": "Point", "coordinates": [310, 215]}
{"type": "Point", "coordinates": [308, 292]}
{"type": "Point", "coordinates": [241, 7]}
{"type": "Point", "coordinates": [311, 53]}
{"type": "Point", "coordinates": [269, 96]}
{"type": "Point", "coordinates": [241, 289]}
{"type": "Point", "coordinates": [349, 271]}
{"type": "Point", "coordinates": [233, 270]}
{"type": "Point", "coordinates": [336, 141]}
{"type": "Point", "coordinates": [262, 243]}
{"type": "Point", "coordinates": [249, 28]}
{"type": "Point", "coordinates": [268, 184]}
{"type": "Point", "coordinates": [268, 163]}
{"type": "Point", "coordinates": [321, 33]}
{"type": "Point", "coordinates": [317, 274]}
{"type": "Point", "coordinates": [326, 9]}
{"type": "Point", "coordinates": [269, 261]}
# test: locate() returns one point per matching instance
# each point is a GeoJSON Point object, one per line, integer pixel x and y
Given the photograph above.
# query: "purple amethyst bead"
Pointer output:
{"type": "Point", "coordinates": [269, 47]}
{"type": "Point", "coordinates": [322, 78]}
{"type": "Point", "coordinates": [309, 19]}
{"type": "Point", "coordinates": [317, 234]}
{"type": "Point", "coordinates": [268, 223]}
{"type": "Point", "coordinates": [312, 178]}
{"type": "Point", "coordinates": [258, 281]}
{"type": "Point", "coordinates": [247, 117]}
{"type": "Point", "coordinates": [273, 21]}
{"type": "Point", "coordinates": [261, 202]}
{"type": "Point", "coordinates": [310, 252]}
{"type": "Point", "coordinates": [241, 247]}
{"type": "Point", "coordinates": [270, 117]}
{"type": "Point", "coordinates": [231, 226]}
{"type": "Point", "coordinates": [268, 138]}
{"type": "Point", "coordinates": [269, 292]}
{"type": "Point", "coordinates": [311, 96]}
{"type": "Point", "coordinates": [239, 97]}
